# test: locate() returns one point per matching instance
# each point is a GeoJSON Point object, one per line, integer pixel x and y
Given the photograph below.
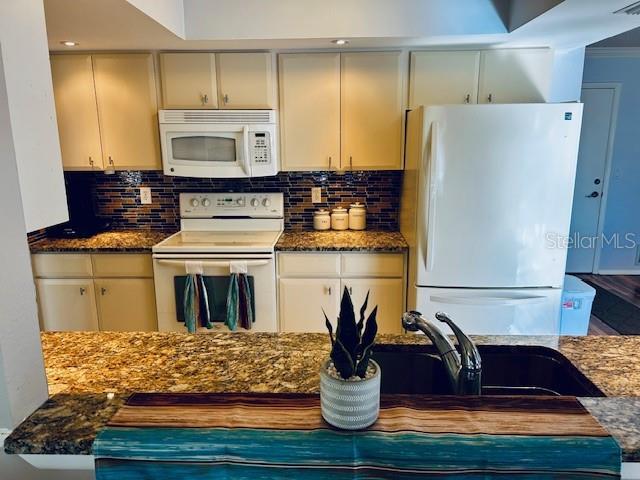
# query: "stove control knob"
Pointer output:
{"type": "Point", "coordinates": [266, 202]}
{"type": "Point", "coordinates": [206, 202]}
{"type": "Point", "coordinates": [255, 202]}
{"type": "Point", "coordinates": [240, 202]}
{"type": "Point", "coordinates": [194, 202]}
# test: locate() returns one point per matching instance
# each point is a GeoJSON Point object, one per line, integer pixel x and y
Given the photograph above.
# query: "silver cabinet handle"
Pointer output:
{"type": "Point", "coordinates": [90, 161]}
{"type": "Point", "coordinates": [205, 99]}
{"type": "Point", "coordinates": [111, 161]}
{"type": "Point", "coordinates": [103, 290]}
{"type": "Point", "coordinates": [329, 162]}
{"type": "Point", "coordinates": [82, 290]}
{"type": "Point", "coordinates": [467, 99]}
{"type": "Point", "coordinates": [490, 98]}
{"type": "Point", "coordinates": [225, 98]}
{"type": "Point", "coordinates": [329, 290]}
{"type": "Point", "coordinates": [350, 162]}
{"type": "Point", "coordinates": [350, 290]}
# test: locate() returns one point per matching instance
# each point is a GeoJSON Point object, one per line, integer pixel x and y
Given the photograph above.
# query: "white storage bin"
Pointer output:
{"type": "Point", "coordinates": [577, 299]}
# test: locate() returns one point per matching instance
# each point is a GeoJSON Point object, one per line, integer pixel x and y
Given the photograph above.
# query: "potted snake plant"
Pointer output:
{"type": "Point", "coordinates": [349, 378]}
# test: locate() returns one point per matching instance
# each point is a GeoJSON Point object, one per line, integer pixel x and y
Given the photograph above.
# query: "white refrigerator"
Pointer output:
{"type": "Point", "coordinates": [486, 208]}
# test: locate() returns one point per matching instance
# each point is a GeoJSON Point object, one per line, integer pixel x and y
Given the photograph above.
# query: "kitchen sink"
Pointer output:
{"type": "Point", "coordinates": [506, 370]}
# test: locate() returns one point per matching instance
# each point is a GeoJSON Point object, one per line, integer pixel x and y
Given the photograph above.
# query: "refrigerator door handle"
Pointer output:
{"type": "Point", "coordinates": [497, 301]}
{"type": "Point", "coordinates": [432, 191]}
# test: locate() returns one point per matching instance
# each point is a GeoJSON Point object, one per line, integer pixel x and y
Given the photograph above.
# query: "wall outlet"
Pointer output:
{"type": "Point", "coordinates": [145, 195]}
{"type": "Point", "coordinates": [316, 194]}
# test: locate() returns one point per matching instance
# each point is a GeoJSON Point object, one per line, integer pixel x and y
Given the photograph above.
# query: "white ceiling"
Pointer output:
{"type": "Point", "coordinates": [296, 24]}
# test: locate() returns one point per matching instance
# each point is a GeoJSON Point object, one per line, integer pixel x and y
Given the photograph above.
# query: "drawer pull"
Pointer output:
{"type": "Point", "coordinates": [82, 290]}
{"type": "Point", "coordinates": [103, 291]}
{"type": "Point", "coordinates": [329, 290]}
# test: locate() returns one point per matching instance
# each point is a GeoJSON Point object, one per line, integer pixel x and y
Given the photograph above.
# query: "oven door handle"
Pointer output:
{"type": "Point", "coordinates": [227, 264]}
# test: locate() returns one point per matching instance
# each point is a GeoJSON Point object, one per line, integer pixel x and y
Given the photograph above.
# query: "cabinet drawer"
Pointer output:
{"type": "Point", "coordinates": [372, 265]}
{"type": "Point", "coordinates": [61, 265]}
{"type": "Point", "coordinates": [309, 264]}
{"type": "Point", "coordinates": [122, 265]}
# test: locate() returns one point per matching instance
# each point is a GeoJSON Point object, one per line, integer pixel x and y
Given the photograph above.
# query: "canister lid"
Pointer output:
{"type": "Point", "coordinates": [321, 211]}
{"type": "Point", "coordinates": [358, 205]}
{"type": "Point", "coordinates": [339, 210]}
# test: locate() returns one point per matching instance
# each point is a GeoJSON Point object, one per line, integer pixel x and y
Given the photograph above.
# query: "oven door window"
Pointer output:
{"type": "Point", "coordinates": [217, 290]}
{"type": "Point", "coordinates": [204, 148]}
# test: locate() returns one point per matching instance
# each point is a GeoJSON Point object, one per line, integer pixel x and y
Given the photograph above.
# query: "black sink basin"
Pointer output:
{"type": "Point", "coordinates": [506, 370]}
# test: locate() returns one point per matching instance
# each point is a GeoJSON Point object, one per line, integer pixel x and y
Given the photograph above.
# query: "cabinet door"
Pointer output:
{"type": "Point", "coordinates": [188, 80]}
{"type": "Point", "coordinates": [128, 111]}
{"type": "Point", "coordinates": [76, 110]}
{"type": "Point", "coordinates": [372, 108]}
{"type": "Point", "coordinates": [310, 111]}
{"type": "Point", "coordinates": [246, 80]}
{"type": "Point", "coordinates": [515, 76]}
{"type": "Point", "coordinates": [66, 304]}
{"type": "Point", "coordinates": [386, 293]}
{"type": "Point", "coordinates": [441, 78]}
{"type": "Point", "coordinates": [126, 304]}
{"type": "Point", "coordinates": [302, 301]}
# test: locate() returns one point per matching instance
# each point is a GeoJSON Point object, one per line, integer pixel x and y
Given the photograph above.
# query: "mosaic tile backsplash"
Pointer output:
{"type": "Point", "coordinates": [117, 197]}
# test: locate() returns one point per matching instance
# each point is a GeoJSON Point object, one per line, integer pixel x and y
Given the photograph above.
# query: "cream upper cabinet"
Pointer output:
{"type": "Point", "coordinates": [126, 304]}
{"type": "Point", "coordinates": [188, 80]}
{"type": "Point", "coordinates": [127, 110]}
{"type": "Point", "coordinates": [515, 76]}
{"type": "Point", "coordinates": [246, 80]}
{"type": "Point", "coordinates": [66, 304]}
{"type": "Point", "coordinates": [309, 111]}
{"type": "Point", "coordinates": [75, 99]}
{"type": "Point", "coordinates": [443, 77]}
{"type": "Point", "coordinates": [301, 301]}
{"type": "Point", "coordinates": [372, 110]}
{"type": "Point", "coordinates": [386, 293]}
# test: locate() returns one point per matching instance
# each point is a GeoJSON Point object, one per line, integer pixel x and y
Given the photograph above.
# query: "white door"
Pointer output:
{"type": "Point", "coordinates": [67, 304]}
{"type": "Point", "coordinates": [498, 191]}
{"type": "Point", "coordinates": [595, 149]}
{"type": "Point", "coordinates": [126, 304]}
{"type": "Point", "coordinates": [302, 301]}
{"type": "Point", "coordinates": [534, 311]}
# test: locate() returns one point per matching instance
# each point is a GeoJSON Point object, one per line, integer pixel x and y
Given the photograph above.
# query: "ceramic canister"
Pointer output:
{"type": "Point", "coordinates": [357, 216]}
{"type": "Point", "coordinates": [321, 220]}
{"type": "Point", "coordinates": [339, 219]}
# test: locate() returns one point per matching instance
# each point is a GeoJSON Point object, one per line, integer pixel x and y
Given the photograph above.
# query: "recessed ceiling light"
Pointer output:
{"type": "Point", "coordinates": [69, 43]}
{"type": "Point", "coordinates": [340, 41]}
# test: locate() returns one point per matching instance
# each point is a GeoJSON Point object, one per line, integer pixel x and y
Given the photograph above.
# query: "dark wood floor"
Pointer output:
{"type": "Point", "coordinates": [624, 286]}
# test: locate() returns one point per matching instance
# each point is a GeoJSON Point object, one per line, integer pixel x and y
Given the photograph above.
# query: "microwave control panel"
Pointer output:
{"type": "Point", "coordinates": [260, 147]}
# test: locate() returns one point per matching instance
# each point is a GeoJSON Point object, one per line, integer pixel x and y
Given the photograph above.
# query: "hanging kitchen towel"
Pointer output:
{"type": "Point", "coordinates": [283, 436]}
{"type": "Point", "coordinates": [239, 301]}
{"type": "Point", "coordinates": [196, 301]}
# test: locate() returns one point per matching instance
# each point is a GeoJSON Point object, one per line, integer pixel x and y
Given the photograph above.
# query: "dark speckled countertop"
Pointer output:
{"type": "Point", "coordinates": [91, 373]}
{"type": "Point", "coordinates": [341, 241]}
{"type": "Point", "coordinates": [105, 242]}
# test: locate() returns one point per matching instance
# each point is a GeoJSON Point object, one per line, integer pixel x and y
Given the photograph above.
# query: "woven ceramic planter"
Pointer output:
{"type": "Point", "coordinates": [350, 405]}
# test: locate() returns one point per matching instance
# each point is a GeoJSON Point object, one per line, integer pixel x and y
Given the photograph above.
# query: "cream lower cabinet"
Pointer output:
{"type": "Point", "coordinates": [66, 304]}
{"type": "Point", "coordinates": [108, 292]}
{"type": "Point", "coordinates": [311, 282]}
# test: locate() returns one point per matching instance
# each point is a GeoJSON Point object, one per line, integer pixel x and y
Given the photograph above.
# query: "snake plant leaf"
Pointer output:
{"type": "Point", "coordinates": [362, 311]}
{"type": "Point", "coordinates": [347, 330]}
{"type": "Point", "coordinates": [329, 327]}
{"type": "Point", "coordinates": [342, 360]}
{"type": "Point", "coordinates": [366, 344]}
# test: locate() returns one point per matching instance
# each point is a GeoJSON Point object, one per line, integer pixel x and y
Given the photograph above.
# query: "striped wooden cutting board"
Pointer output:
{"type": "Point", "coordinates": [268, 436]}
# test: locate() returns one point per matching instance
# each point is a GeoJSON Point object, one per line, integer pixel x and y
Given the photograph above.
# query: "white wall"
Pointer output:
{"type": "Point", "coordinates": [23, 38]}
{"type": "Point", "coordinates": [566, 80]}
{"type": "Point", "coordinates": [623, 197]}
{"type": "Point", "coordinates": [168, 13]}
{"type": "Point", "coordinates": [23, 386]}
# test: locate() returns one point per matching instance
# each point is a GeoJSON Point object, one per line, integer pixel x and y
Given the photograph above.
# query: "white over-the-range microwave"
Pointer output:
{"type": "Point", "coordinates": [219, 143]}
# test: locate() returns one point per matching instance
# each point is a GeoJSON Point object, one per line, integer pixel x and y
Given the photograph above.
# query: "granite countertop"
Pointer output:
{"type": "Point", "coordinates": [105, 242]}
{"type": "Point", "coordinates": [342, 241]}
{"type": "Point", "coordinates": [90, 374]}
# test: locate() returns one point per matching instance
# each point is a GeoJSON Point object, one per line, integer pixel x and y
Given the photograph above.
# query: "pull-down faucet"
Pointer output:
{"type": "Point", "coordinates": [464, 368]}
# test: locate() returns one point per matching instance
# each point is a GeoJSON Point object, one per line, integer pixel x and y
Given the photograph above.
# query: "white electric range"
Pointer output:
{"type": "Point", "coordinates": [218, 231]}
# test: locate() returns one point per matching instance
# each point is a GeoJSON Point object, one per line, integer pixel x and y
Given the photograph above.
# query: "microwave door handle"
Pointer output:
{"type": "Point", "coordinates": [250, 263]}
{"type": "Point", "coordinates": [245, 151]}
